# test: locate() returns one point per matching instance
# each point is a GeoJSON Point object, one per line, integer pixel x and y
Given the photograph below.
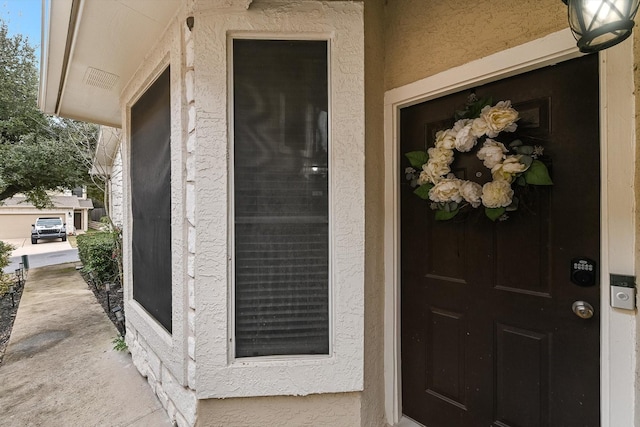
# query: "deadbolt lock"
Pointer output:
{"type": "Point", "coordinates": [583, 309]}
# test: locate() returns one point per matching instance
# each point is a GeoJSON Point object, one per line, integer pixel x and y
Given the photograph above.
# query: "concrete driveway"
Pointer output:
{"type": "Point", "coordinates": [24, 246]}
{"type": "Point", "coordinates": [46, 252]}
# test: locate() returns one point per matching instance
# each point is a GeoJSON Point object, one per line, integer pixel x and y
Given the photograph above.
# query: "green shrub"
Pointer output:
{"type": "Point", "coordinates": [5, 252]}
{"type": "Point", "coordinates": [6, 280]}
{"type": "Point", "coordinates": [99, 255]}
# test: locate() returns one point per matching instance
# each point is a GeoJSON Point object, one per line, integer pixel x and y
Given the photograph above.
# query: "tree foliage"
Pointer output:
{"type": "Point", "coordinates": [38, 153]}
{"type": "Point", "coordinates": [19, 114]}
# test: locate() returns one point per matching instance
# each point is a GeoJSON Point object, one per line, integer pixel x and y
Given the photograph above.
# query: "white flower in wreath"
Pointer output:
{"type": "Point", "coordinates": [479, 127]}
{"type": "Point", "coordinates": [492, 153]}
{"type": "Point", "coordinates": [513, 164]}
{"type": "Point", "coordinates": [465, 140]}
{"type": "Point", "coordinates": [437, 167]}
{"type": "Point", "coordinates": [499, 118]}
{"type": "Point", "coordinates": [440, 155]}
{"type": "Point", "coordinates": [471, 192]}
{"type": "Point", "coordinates": [445, 139]}
{"type": "Point", "coordinates": [507, 170]}
{"type": "Point", "coordinates": [445, 191]}
{"type": "Point", "coordinates": [497, 194]}
{"type": "Point", "coordinates": [432, 173]}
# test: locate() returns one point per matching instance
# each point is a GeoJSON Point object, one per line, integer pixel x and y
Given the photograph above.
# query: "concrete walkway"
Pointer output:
{"type": "Point", "coordinates": [60, 368]}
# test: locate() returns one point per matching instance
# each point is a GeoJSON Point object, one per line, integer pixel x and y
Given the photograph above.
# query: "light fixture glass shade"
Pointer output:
{"type": "Point", "coordinates": [600, 24]}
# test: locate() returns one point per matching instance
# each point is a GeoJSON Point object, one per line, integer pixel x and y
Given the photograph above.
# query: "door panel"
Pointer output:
{"type": "Point", "coordinates": [521, 376]}
{"type": "Point", "coordinates": [488, 334]}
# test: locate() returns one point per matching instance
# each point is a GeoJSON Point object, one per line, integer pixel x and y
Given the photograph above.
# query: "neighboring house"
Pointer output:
{"type": "Point", "coordinates": [107, 164]}
{"type": "Point", "coordinates": [279, 273]}
{"type": "Point", "coordinates": [17, 215]}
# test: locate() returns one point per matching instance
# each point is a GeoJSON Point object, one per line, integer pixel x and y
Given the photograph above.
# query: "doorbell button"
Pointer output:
{"type": "Point", "coordinates": [622, 296]}
{"type": "Point", "coordinates": [623, 292]}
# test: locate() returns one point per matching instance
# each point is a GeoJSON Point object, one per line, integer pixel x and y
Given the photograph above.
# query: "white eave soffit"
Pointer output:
{"type": "Point", "coordinates": [90, 50]}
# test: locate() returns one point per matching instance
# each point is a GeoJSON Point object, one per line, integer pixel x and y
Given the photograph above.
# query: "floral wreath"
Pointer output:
{"type": "Point", "coordinates": [513, 165]}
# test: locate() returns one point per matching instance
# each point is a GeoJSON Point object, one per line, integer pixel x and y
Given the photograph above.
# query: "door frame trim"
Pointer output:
{"type": "Point", "coordinates": [617, 124]}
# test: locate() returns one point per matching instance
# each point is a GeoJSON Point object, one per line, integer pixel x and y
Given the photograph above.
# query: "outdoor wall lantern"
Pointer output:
{"type": "Point", "coordinates": [600, 24]}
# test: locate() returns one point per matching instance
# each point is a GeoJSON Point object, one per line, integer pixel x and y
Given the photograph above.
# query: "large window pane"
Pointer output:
{"type": "Point", "coordinates": [281, 197]}
{"type": "Point", "coordinates": [151, 200]}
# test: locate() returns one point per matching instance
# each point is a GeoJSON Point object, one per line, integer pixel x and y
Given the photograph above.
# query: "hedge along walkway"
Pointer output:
{"type": "Point", "coordinates": [60, 368]}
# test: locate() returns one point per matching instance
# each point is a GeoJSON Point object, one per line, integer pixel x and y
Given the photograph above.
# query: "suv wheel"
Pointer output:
{"type": "Point", "coordinates": [34, 241]}
{"type": "Point", "coordinates": [64, 238]}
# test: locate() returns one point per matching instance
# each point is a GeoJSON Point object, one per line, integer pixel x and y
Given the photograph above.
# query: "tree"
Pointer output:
{"type": "Point", "coordinates": [37, 152]}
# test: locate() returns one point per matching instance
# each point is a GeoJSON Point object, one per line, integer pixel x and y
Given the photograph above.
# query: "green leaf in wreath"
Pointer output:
{"type": "Point", "coordinates": [515, 143]}
{"type": "Point", "coordinates": [537, 174]}
{"type": "Point", "coordinates": [521, 181]}
{"type": "Point", "coordinates": [494, 213]}
{"type": "Point", "coordinates": [423, 191]}
{"type": "Point", "coordinates": [451, 206]}
{"type": "Point", "coordinates": [525, 149]}
{"type": "Point", "coordinates": [442, 215]}
{"type": "Point", "coordinates": [417, 158]}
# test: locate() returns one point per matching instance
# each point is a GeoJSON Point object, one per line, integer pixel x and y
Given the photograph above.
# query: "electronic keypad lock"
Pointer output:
{"type": "Point", "coordinates": [583, 271]}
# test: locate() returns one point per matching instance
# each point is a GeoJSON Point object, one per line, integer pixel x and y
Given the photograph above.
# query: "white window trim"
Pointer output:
{"type": "Point", "coordinates": [618, 232]}
{"type": "Point", "coordinates": [218, 375]}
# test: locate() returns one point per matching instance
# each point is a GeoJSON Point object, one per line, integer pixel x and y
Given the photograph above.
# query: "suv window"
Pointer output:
{"type": "Point", "coordinates": [48, 222]}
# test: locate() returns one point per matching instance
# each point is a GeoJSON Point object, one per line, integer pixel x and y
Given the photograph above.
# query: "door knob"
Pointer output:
{"type": "Point", "coordinates": [583, 309]}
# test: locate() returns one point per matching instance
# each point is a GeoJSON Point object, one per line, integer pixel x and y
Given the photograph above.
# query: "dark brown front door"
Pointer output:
{"type": "Point", "coordinates": [77, 220]}
{"type": "Point", "coordinates": [489, 337]}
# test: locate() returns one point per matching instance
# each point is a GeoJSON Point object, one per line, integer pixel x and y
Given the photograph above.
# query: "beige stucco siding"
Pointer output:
{"type": "Point", "coordinates": [335, 410]}
{"type": "Point", "coordinates": [372, 408]}
{"type": "Point", "coordinates": [425, 37]}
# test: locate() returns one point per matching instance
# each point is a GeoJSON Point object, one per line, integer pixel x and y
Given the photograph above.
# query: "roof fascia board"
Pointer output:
{"type": "Point", "coordinates": [56, 15]}
{"type": "Point", "coordinates": [74, 21]}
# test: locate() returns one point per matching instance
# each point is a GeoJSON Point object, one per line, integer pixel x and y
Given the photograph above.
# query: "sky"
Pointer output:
{"type": "Point", "coordinates": [23, 17]}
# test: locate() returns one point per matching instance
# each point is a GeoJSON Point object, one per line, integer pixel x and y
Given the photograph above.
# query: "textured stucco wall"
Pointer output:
{"type": "Point", "coordinates": [425, 37]}
{"type": "Point", "coordinates": [335, 410]}
{"type": "Point", "coordinates": [217, 373]}
{"type": "Point", "coordinates": [163, 358]}
{"type": "Point", "coordinates": [373, 395]}
{"type": "Point", "coordinates": [169, 347]}
{"type": "Point", "coordinates": [115, 196]}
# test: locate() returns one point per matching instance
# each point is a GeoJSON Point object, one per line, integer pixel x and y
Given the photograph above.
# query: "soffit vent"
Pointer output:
{"type": "Point", "coordinates": [99, 78]}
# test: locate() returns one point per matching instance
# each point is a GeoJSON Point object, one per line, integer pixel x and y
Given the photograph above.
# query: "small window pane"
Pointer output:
{"type": "Point", "coordinates": [281, 197]}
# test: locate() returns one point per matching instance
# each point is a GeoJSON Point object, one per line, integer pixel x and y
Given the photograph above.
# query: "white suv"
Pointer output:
{"type": "Point", "coordinates": [48, 228]}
